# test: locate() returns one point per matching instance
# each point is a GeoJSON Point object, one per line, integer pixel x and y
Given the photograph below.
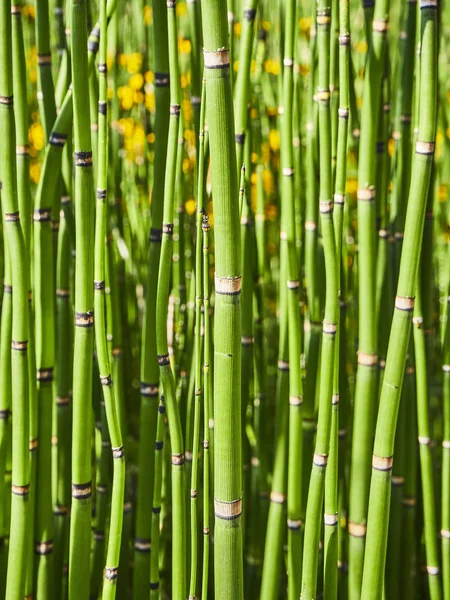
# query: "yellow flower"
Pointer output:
{"type": "Point", "coordinates": [361, 47]}
{"type": "Point", "coordinates": [305, 24]}
{"type": "Point", "coordinates": [186, 107]}
{"type": "Point", "coordinates": [150, 102]}
{"type": "Point", "coordinates": [35, 171]}
{"type": "Point", "coordinates": [149, 77]}
{"type": "Point", "coordinates": [148, 15]}
{"type": "Point", "coordinates": [136, 81]}
{"type": "Point", "coordinates": [190, 206]}
{"type": "Point", "coordinates": [134, 62]}
{"type": "Point", "coordinates": [274, 139]}
{"type": "Point", "coordinates": [237, 28]}
{"type": "Point", "coordinates": [36, 136]}
{"type": "Point", "coordinates": [352, 185]}
{"type": "Point", "coordinates": [442, 192]}
{"type": "Point", "coordinates": [181, 9]}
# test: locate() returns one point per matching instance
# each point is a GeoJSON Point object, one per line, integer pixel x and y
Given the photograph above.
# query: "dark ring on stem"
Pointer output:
{"type": "Point", "coordinates": [205, 530]}
{"type": "Point", "coordinates": [43, 548]}
{"type": "Point", "coordinates": [283, 365]}
{"type": "Point", "coordinates": [84, 319]}
{"type": "Point", "coordinates": [162, 79]}
{"type": "Point", "coordinates": [55, 226]}
{"type": "Point", "coordinates": [382, 463]}
{"type": "Point", "coordinates": [12, 217]}
{"type": "Point", "coordinates": [4, 413]}
{"type": "Point", "coordinates": [154, 585]}
{"type": "Point", "coordinates": [142, 545]}
{"type": "Point", "coordinates": [156, 510]}
{"type": "Point", "coordinates": [247, 340]}
{"type": "Point", "coordinates": [425, 148]}
{"type": "Point", "coordinates": [99, 536]}
{"type": "Point", "coordinates": [206, 444]}
{"type": "Point", "coordinates": [159, 445]}
{"type": "Point", "coordinates": [175, 110]}
{"type": "Point", "coordinates": [44, 60]}
{"type": "Point", "coordinates": [155, 235]}
{"type": "Point", "coordinates": [20, 490]}
{"type": "Point", "coordinates": [178, 460]}
{"type": "Point", "coordinates": [62, 400]}
{"type": "Point", "coordinates": [357, 529]}
{"type": "Point", "coordinates": [42, 215]}
{"type": "Point", "coordinates": [127, 508]}
{"type": "Point", "coordinates": [102, 68]}
{"type": "Point", "coordinates": [149, 390]}
{"type": "Point", "coordinates": [99, 285]}
{"type": "Point", "coordinates": [106, 381]}
{"type": "Point", "coordinates": [295, 400]}
{"type": "Point", "coordinates": [101, 488]}
{"type": "Point", "coordinates": [16, 9]}
{"type": "Point", "coordinates": [380, 147]}
{"type": "Point", "coordinates": [83, 159]}
{"type": "Point", "coordinates": [193, 494]}
{"type": "Point", "coordinates": [398, 480]}
{"type": "Point", "coordinates": [62, 293]}
{"type": "Point", "coordinates": [92, 44]}
{"type": "Point", "coordinates": [320, 460]}
{"type": "Point", "coordinates": [217, 60]}
{"type": "Point", "coordinates": [19, 346]}
{"type": "Point", "coordinates": [163, 360]}
{"type": "Point", "coordinates": [344, 39]}
{"type": "Point", "coordinates": [57, 139]}
{"type": "Point", "coordinates": [118, 452]}
{"type": "Point", "coordinates": [61, 510]}
{"type": "Point", "coordinates": [240, 138]}
{"type": "Point", "coordinates": [33, 444]}
{"type": "Point", "coordinates": [82, 490]}
{"type": "Point", "coordinates": [7, 100]}
{"type": "Point", "coordinates": [161, 408]}
{"type": "Point", "coordinates": [330, 519]}
{"type": "Point", "coordinates": [227, 511]}
{"type": "Point", "coordinates": [44, 375]}
{"type": "Point", "coordinates": [380, 25]}
{"type": "Point", "coordinates": [23, 150]}
{"type": "Point", "coordinates": [228, 286]}
{"type": "Point", "coordinates": [428, 4]}
{"type": "Point", "coordinates": [167, 228]}
{"type": "Point", "coordinates": [294, 524]}
{"type": "Point", "coordinates": [102, 107]}
{"type": "Point", "coordinates": [249, 14]}
{"type": "Point", "coordinates": [405, 303]}
{"type": "Point", "coordinates": [7, 289]}
{"type": "Point", "coordinates": [277, 497]}
{"type": "Point", "coordinates": [111, 573]}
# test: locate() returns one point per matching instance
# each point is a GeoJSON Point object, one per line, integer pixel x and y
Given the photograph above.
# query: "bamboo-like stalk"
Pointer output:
{"type": "Point", "coordinates": [288, 245]}
{"type": "Point", "coordinates": [45, 80]}
{"type": "Point", "coordinates": [242, 85]}
{"type": "Point", "coordinates": [445, 489]}
{"type": "Point", "coordinates": [228, 566]}
{"type": "Point", "coordinates": [111, 407]}
{"type": "Point", "coordinates": [367, 374]}
{"type": "Point", "coordinates": [156, 503]}
{"type": "Point", "coordinates": [149, 363]}
{"type": "Point", "coordinates": [15, 239]}
{"type": "Point", "coordinates": [395, 363]}
{"type": "Point", "coordinates": [80, 524]}
{"type": "Point", "coordinates": [24, 203]}
{"type": "Point", "coordinates": [167, 378]}
{"type": "Point", "coordinates": [331, 517]}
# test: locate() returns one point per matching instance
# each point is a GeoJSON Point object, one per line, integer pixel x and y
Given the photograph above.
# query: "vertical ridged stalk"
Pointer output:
{"type": "Point", "coordinates": [80, 525]}
{"type": "Point", "coordinates": [166, 374]}
{"type": "Point", "coordinates": [378, 515]}
{"type": "Point", "coordinates": [367, 374]}
{"type": "Point", "coordinates": [149, 362]}
{"type": "Point", "coordinates": [317, 482]}
{"type": "Point", "coordinates": [14, 238]}
{"type": "Point", "coordinates": [332, 479]}
{"type": "Point", "coordinates": [288, 241]}
{"type": "Point", "coordinates": [425, 451]}
{"type": "Point", "coordinates": [228, 565]}
{"type": "Point", "coordinates": [111, 408]}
